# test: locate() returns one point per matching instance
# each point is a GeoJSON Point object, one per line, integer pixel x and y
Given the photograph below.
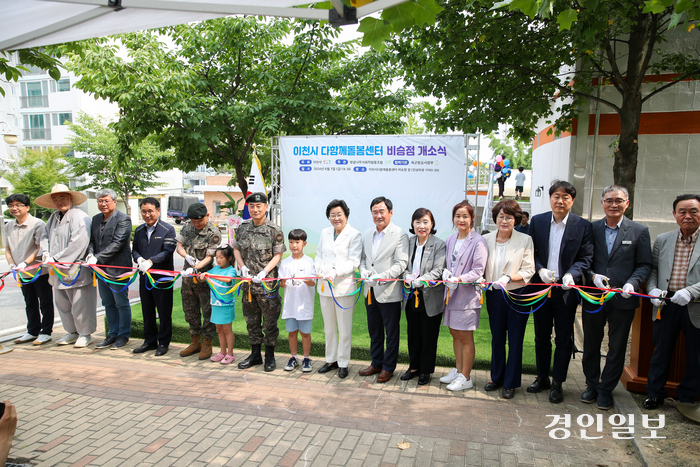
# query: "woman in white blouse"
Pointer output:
{"type": "Point", "coordinates": [337, 257]}
{"type": "Point", "coordinates": [510, 266]}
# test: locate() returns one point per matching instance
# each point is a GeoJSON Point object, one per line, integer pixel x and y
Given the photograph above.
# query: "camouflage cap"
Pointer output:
{"type": "Point", "coordinates": [256, 197]}
{"type": "Point", "coordinates": [197, 211]}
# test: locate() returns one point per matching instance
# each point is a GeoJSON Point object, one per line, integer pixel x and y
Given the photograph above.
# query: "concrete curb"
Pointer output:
{"type": "Point", "coordinates": [623, 402]}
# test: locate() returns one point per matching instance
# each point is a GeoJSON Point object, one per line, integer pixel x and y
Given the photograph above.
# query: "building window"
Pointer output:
{"type": "Point", "coordinates": [65, 118]}
{"type": "Point", "coordinates": [217, 207]}
{"type": "Point", "coordinates": [64, 85]}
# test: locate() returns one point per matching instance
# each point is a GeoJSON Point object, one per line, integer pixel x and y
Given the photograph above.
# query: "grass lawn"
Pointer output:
{"type": "Point", "coordinates": [360, 339]}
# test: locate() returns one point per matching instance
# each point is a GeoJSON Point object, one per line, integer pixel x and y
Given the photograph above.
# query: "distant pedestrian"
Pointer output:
{"type": "Point", "coordinates": [524, 224]}
{"type": "Point", "coordinates": [24, 250]}
{"type": "Point", "coordinates": [519, 183]}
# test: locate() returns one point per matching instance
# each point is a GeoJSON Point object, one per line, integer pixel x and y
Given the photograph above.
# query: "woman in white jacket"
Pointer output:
{"type": "Point", "coordinates": [337, 257]}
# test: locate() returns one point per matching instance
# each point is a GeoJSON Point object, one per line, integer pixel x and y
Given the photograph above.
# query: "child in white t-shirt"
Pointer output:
{"type": "Point", "coordinates": [298, 309]}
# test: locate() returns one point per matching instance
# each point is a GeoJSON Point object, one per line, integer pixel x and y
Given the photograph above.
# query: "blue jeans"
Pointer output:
{"type": "Point", "coordinates": [117, 310]}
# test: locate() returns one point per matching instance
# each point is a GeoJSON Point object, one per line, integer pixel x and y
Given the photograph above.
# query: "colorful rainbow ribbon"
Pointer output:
{"type": "Point", "coordinates": [2, 279]}
{"type": "Point", "coordinates": [596, 300]}
{"type": "Point", "coordinates": [358, 292]}
{"type": "Point", "coordinates": [525, 300]}
{"type": "Point", "coordinates": [222, 296]}
{"type": "Point", "coordinates": [57, 272]}
{"type": "Point", "coordinates": [154, 282]}
{"type": "Point", "coordinates": [124, 280]}
{"type": "Point", "coordinates": [23, 280]}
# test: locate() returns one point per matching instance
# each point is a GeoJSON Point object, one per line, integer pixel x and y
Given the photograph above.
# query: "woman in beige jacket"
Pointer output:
{"type": "Point", "coordinates": [510, 266]}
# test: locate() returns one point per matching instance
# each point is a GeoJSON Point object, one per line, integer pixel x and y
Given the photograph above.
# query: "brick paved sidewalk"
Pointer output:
{"type": "Point", "coordinates": [80, 407]}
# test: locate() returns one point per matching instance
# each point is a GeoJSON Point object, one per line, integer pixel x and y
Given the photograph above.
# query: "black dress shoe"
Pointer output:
{"type": "Point", "coordinates": [145, 348]}
{"type": "Point", "coordinates": [539, 385]}
{"type": "Point", "coordinates": [107, 342]}
{"type": "Point", "coordinates": [508, 393]}
{"type": "Point", "coordinates": [342, 373]}
{"type": "Point", "coordinates": [556, 395]}
{"type": "Point", "coordinates": [410, 374]}
{"type": "Point", "coordinates": [491, 386]}
{"type": "Point", "coordinates": [119, 343]}
{"type": "Point", "coordinates": [162, 350]}
{"type": "Point", "coordinates": [652, 403]}
{"type": "Point", "coordinates": [589, 396]}
{"type": "Point", "coordinates": [423, 379]}
{"type": "Point", "coordinates": [328, 367]}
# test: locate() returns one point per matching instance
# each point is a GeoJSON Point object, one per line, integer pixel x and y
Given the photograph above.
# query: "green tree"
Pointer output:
{"type": "Point", "coordinates": [35, 172]}
{"type": "Point", "coordinates": [97, 141]}
{"type": "Point", "coordinates": [221, 85]}
{"type": "Point", "coordinates": [518, 153]}
{"type": "Point", "coordinates": [504, 65]}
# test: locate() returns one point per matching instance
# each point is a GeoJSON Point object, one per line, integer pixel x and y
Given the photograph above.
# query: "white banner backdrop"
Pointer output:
{"type": "Point", "coordinates": [412, 171]}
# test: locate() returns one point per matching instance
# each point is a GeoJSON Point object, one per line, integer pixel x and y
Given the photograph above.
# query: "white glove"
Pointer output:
{"type": "Point", "coordinates": [13, 266]}
{"type": "Point", "coordinates": [191, 260]}
{"type": "Point", "coordinates": [446, 274]}
{"type": "Point", "coordinates": [330, 275]}
{"type": "Point", "coordinates": [261, 275]}
{"type": "Point", "coordinates": [416, 283]}
{"type": "Point", "coordinates": [547, 275]}
{"type": "Point", "coordinates": [567, 281]}
{"type": "Point", "coordinates": [47, 258]}
{"type": "Point", "coordinates": [408, 279]}
{"type": "Point", "coordinates": [297, 282]}
{"type": "Point", "coordinates": [682, 297]}
{"type": "Point", "coordinates": [452, 282]}
{"type": "Point", "coordinates": [502, 282]}
{"type": "Point", "coordinates": [371, 281]}
{"type": "Point", "coordinates": [375, 281]}
{"type": "Point", "coordinates": [656, 293]}
{"type": "Point", "coordinates": [189, 271]}
{"type": "Point", "coordinates": [145, 265]}
{"type": "Point", "coordinates": [364, 273]}
{"type": "Point", "coordinates": [626, 290]}
{"type": "Point", "coordinates": [139, 261]}
{"type": "Point", "coordinates": [290, 283]}
{"type": "Point", "coordinates": [91, 259]}
{"type": "Point", "coordinates": [21, 265]}
{"type": "Point", "coordinates": [245, 272]}
{"type": "Point", "coordinates": [599, 281]}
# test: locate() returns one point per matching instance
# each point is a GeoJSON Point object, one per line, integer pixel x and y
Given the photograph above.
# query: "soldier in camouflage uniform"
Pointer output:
{"type": "Point", "coordinates": [197, 243]}
{"type": "Point", "coordinates": [258, 248]}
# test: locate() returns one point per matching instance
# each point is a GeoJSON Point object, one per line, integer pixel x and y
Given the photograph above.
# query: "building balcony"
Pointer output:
{"type": "Point", "coordinates": [37, 134]}
{"type": "Point", "coordinates": [28, 102]}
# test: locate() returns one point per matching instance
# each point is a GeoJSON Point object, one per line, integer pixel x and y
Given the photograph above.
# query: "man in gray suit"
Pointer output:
{"type": "Point", "coordinates": [110, 245]}
{"type": "Point", "coordinates": [384, 256]}
{"type": "Point", "coordinates": [621, 259]}
{"type": "Point", "coordinates": [675, 276]}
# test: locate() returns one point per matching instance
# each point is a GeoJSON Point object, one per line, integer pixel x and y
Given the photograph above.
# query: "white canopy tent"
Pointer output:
{"type": "Point", "coordinates": [32, 23]}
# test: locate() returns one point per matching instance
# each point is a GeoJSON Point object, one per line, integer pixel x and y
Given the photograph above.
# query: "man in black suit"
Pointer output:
{"type": "Point", "coordinates": [109, 245]}
{"type": "Point", "coordinates": [563, 252]}
{"type": "Point", "coordinates": [154, 245]}
{"type": "Point", "coordinates": [621, 259]}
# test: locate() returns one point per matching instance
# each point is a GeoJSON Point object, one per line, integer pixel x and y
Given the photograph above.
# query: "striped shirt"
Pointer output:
{"type": "Point", "coordinates": [681, 260]}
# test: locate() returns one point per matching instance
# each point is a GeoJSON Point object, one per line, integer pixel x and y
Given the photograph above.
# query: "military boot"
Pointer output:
{"type": "Point", "coordinates": [206, 349]}
{"type": "Point", "coordinates": [253, 359]}
{"type": "Point", "coordinates": [194, 347]}
{"type": "Point", "coordinates": [270, 363]}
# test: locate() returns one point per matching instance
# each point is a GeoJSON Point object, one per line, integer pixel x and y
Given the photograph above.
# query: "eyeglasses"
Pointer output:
{"type": "Point", "coordinates": [505, 218]}
{"type": "Point", "coordinates": [336, 216]}
{"type": "Point", "coordinates": [105, 201]}
{"type": "Point", "coordinates": [610, 201]}
{"type": "Point", "coordinates": [16, 206]}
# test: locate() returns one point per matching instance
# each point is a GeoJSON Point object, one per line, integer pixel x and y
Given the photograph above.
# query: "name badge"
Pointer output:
{"type": "Point", "coordinates": [626, 242]}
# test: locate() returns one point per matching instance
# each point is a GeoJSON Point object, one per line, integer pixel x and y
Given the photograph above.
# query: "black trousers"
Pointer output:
{"type": "Point", "coordinates": [619, 323]}
{"type": "Point", "coordinates": [554, 313]}
{"type": "Point", "coordinates": [423, 332]}
{"type": "Point", "coordinates": [38, 299]}
{"type": "Point", "coordinates": [383, 319]}
{"type": "Point", "coordinates": [665, 331]}
{"type": "Point", "coordinates": [162, 300]}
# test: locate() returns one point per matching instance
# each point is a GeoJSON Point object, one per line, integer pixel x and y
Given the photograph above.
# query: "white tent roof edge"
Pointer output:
{"type": "Point", "coordinates": [58, 21]}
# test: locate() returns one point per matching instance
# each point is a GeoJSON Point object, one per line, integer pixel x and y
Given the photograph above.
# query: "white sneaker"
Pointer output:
{"type": "Point", "coordinates": [460, 384]}
{"type": "Point", "coordinates": [83, 341]}
{"type": "Point", "coordinates": [69, 338]}
{"type": "Point", "coordinates": [25, 338]}
{"type": "Point", "coordinates": [449, 377]}
{"type": "Point", "coordinates": [42, 339]}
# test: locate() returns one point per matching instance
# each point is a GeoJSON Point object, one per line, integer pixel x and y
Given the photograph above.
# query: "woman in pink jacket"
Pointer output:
{"type": "Point", "coordinates": [466, 255]}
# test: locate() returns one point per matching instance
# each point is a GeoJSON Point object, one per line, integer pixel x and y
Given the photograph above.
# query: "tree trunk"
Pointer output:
{"type": "Point", "coordinates": [625, 160]}
{"type": "Point", "coordinates": [125, 198]}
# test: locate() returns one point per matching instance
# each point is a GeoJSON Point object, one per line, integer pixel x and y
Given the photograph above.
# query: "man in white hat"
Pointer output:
{"type": "Point", "coordinates": [66, 241]}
